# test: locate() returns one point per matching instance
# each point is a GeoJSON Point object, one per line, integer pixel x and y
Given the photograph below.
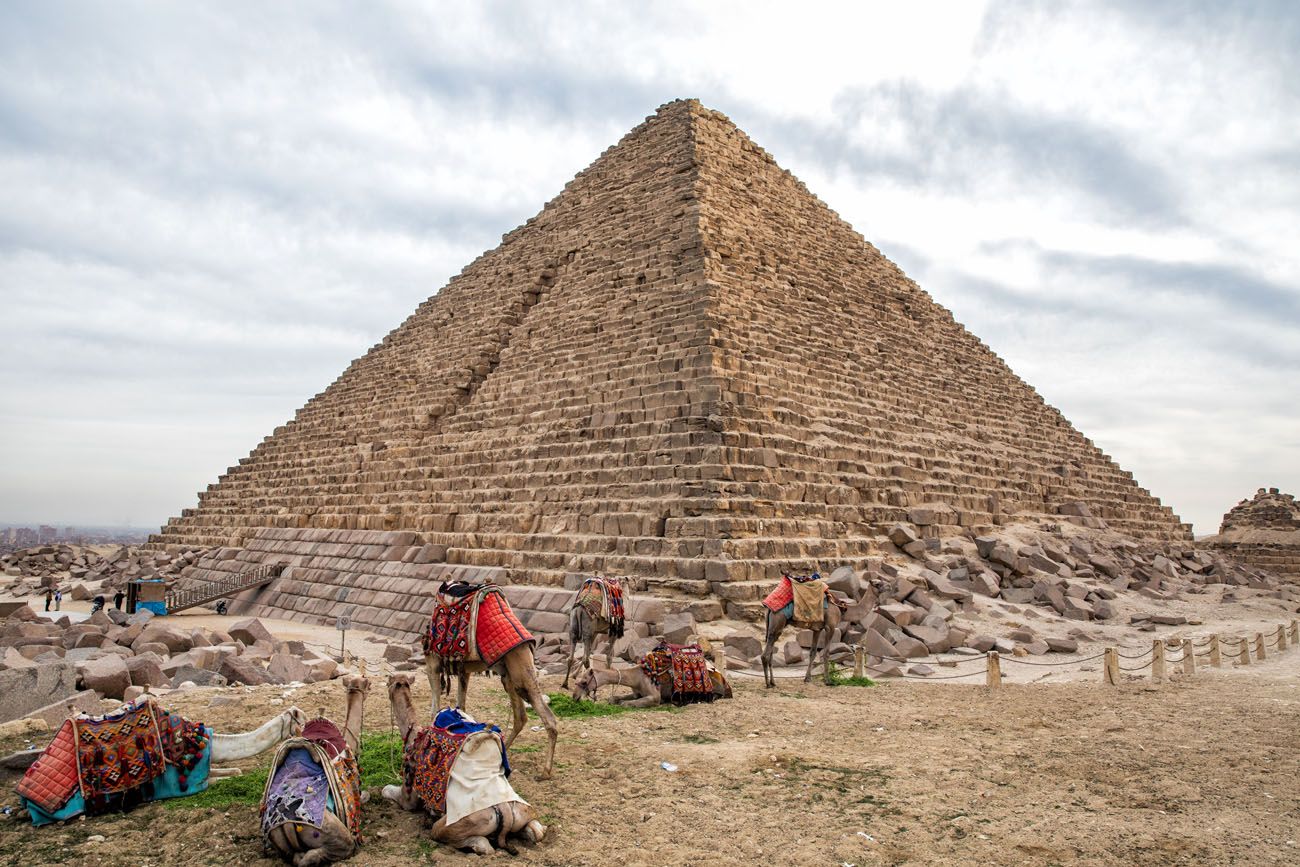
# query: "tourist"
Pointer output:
{"type": "Point", "coordinates": [117, 599]}
{"type": "Point", "coordinates": [58, 600]}
{"type": "Point", "coordinates": [49, 597]}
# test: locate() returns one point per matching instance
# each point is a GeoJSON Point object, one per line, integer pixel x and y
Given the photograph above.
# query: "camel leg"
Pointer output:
{"type": "Point", "coordinates": [462, 688]}
{"type": "Point", "coordinates": [279, 838]}
{"type": "Point", "coordinates": [523, 676]}
{"type": "Point", "coordinates": [769, 680]}
{"type": "Point", "coordinates": [826, 659]}
{"type": "Point", "coordinates": [534, 831]}
{"type": "Point", "coordinates": [433, 668]}
{"type": "Point", "coordinates": [403, 797]}
{"type": "Point", "coordinates": [335, 843]}
{"type": "Point", "coordinates": [644, 701]}
{"type": "Point", "coordinates": [574, 630]}
{"type": "Point", "coordinates": [812, 656]}
{"type": "Point", "coordinates": [518, 714]}
{"type": "Point", "coordinates": [609, 651]}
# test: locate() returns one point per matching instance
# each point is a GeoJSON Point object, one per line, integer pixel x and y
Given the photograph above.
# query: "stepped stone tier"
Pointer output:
{"type": "Point", "coordinates": [686, 368]}
{"type": "Point", "coordinates": [1264, 532]}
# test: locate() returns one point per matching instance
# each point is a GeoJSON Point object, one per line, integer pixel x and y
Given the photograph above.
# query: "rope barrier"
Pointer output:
{"type": "Point", "coordinates": [941, 676]}
{"type": "Point", "coordinates": [1052, 664]}
{"type": "Point", "coordinates": [1141, 655]}
{"type": "Point", "coordinates": [1141, 667]}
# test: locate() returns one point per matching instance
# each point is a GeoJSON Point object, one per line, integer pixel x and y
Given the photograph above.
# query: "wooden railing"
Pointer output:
{"type": "Point", "coordinates": [207, 591]}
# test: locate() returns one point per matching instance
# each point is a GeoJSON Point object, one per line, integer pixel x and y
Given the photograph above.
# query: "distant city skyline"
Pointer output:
{"type": "Point", "coordinates": [209, 211]}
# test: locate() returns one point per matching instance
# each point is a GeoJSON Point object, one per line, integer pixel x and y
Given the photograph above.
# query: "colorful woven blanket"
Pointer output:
{"type": "Point", "coordinates": [95, 764]}
{"type": "Point", "coordinates": [479, 626]}
{"type": "Point", "coordinates": [686, 666]}
{"type": "Point", "coordinates": [429, 759]}
{"type": "Point", "coordinates": [313, 773]}
{"type": "Point", "coordinates": [603, 598]}
{"type": "Point", "coordinates": [118, 755]}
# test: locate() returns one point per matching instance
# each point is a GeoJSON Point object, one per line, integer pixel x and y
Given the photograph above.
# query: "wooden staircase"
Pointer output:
{"type": "Point", "coordinates": [207, 591]}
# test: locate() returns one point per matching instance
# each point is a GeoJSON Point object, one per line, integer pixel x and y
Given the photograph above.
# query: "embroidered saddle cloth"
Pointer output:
{"type": "Point", "coordinates": [603, 597]}
{"type": "Point", "coordinates": [797, 597]}
{"type": "Point", "coordinates": [473, 626]}
{"type": "Point", "coordinates": [458, 766]}
{"type": "Point", "coordinates": [684, 668]}
{"type": "Point", "coordinates": [314, 774]}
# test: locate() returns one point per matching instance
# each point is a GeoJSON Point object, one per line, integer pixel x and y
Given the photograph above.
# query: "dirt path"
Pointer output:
{"type": "Point", "coordinates": [1200, 772]}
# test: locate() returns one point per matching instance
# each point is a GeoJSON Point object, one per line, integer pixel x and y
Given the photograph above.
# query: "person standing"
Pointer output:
{"type": "Point", "coordinates": [58, 600]}
{"type": "Point", "coordinates": [117, 599]}
{"type": "Point", "coordinates": [49, 597]}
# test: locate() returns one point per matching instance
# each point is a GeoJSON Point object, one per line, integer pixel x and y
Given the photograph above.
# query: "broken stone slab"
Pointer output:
{"type": "Point", "coordinates": [291, 669]}
{"type": "Point", "coordinates": [106, 675]}
{"type": "Point", "coordinates": [902, 535]}
{"type": "Point", "coordinates": [250, 632]}
{"type": "Point", "coordinates": [1062, 645]}
{"type": "Point", "coordinates": [678, 628]}
{"type": "Point", "coordinates": [146, 670]}
{"type": "Point", "coordinates": [241, 669]}
{"type": "Point", "coordinates": [86, 701]}
{"type": "Point", "coordinates": [747, 645]}
{"type": "Point", "coordinates": [196, 676]}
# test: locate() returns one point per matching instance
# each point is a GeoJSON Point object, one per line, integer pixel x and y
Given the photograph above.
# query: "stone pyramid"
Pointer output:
{"type": "Point", "coordinates": [685, 368]}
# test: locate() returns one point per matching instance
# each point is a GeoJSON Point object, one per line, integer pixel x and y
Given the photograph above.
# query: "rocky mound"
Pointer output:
{"type": "Point", "coordinates": [83, 572]}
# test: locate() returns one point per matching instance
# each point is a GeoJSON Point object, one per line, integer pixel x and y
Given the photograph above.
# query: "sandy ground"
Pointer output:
{"type": "Point", "coordinates": [1199, 771]}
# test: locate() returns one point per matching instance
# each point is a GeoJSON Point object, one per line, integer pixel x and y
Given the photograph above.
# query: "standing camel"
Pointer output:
{"type": "Point", "coordinates": [516, 667]}
{"type": "Point", "coordinates": [587, 621]}
{"type": "Point", "coordinates": [297, 820]}
{"type": "Point", "coordinates": [503, 813]}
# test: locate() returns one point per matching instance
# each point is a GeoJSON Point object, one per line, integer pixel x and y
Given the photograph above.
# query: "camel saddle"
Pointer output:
{"type": "Point", "coordinates": [683, 669]}
{"type": "Point", "coordinates": [473, 622]}
{"type": "Point", "coordinates": [457, 766]}
{"type": "Point", "coordinates": [603, 598]}
{"type": "Point", "coordinates": [313, 773]}
{"type": "Point", "coordinates": [798, 598]}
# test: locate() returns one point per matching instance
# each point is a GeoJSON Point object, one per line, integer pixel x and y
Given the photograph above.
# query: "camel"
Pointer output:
{"type": "Point", "coordinates": [304, 844]}
{"type": "Point", "coordinates": [585, 626]}
{"type": "Point", "coordinates": [776, 623]}
{"type": "Point", "coordinates": [645, 692]}
{"type": "Point", "coordinates": [222, 748]}
{"type": "Point", "coordinates": [478, 829]}
{"type": "Point", "coordinates": [518, 672]}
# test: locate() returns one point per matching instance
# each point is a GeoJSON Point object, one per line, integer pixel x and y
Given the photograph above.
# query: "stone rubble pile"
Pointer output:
{"type": "Point", "coordinates": [927, 592]}
{"type": "Point", "coordinates": [30, 570]}
{"type": "Point", "coordinates": [113, 655]}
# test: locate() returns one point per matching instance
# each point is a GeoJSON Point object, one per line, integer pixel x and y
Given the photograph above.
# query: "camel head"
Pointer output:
{"type": "Point", "coordinates": [294, 721]}
{"type": "Point", "coordinates": [399, 684]}
{"type": "Point", "coordinates": [357, 683]}
{"type": "Point", "coordinates": [585, 686]}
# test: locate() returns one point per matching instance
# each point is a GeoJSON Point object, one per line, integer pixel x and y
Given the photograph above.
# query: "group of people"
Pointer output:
{"type": "Point", "coordinates": [55, 595]}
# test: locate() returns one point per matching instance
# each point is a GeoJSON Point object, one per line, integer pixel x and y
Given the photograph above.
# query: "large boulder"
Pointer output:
{"type": "Point", "coordinates": [241, 669]}
{"type": "Point", "coordinates": [26, 688]}
{"type": "Point", "coordinates": [290, 668]}
{"type": "Point", "coordinates": [196, 676]}
{"type": "Point", "coordinates": [174, 639]}
{"type": "Point", "coordinates": [678, 628]}
{"type": "Point", "coordinates": [251, 631]}
{"type": "Point", "coordinates": [106, 675]}
{"type": "Point", "coordinates": [744, 644]}
{"type": "Point", "coordinates": [147, 671]}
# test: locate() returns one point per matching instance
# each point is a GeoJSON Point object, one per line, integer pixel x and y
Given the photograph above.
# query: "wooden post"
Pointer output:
{"type": "Point", "coordinates": [1281, 637]}
{"type": "Point", "coordinates": [1189, 657]}
{"type": "Point", "coordinates": [1260, 655]}
{"type": "Point", "coordinates": [1216, 659]}
{"type": "Point", "coordinates": [993, 673]}
{"type": "Point", "coordinates": [1158, 660]}
{"type": "Point", "coordinates": [859, 668]}
{"type": "Point", "coordinates": [1110, 667]}
{"type": "Point", "coordinates": [1243, 651]}
{"type": "Point", "coordinates": [1295, 631]}
{"type": "Point", "coordinates": [720, 661]}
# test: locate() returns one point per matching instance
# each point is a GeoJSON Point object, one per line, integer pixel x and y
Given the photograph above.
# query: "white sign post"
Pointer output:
{"type": "Point", "coordinates": [343, 624]}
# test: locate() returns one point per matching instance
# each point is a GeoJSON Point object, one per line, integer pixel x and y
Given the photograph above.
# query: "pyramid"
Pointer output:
{"type": "Point", "coordinates": [1263, 532]}
{"type": "Point", "coordinates": [687, 369]}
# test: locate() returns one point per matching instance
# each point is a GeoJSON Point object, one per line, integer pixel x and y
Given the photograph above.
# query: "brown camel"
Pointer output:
{"type": "Point", "coordinates": [477, 830]}
{"type": "Point", "coordinates": [518, 673]}
{"type": "Point", "coordinates": [301, 843]}
{"type": "Point", "coordinates": [645, 692]}
{"type": "Point", "coordinates": [777, 622]}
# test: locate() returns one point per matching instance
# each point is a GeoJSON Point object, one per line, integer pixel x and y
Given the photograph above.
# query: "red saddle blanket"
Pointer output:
{"type": "Point", "coordinates": [428, 765]}
{"type": "Point", "coordinates": [477, 626]}
{"type": "Point", "coordinates": [687, 668]}
{"type": "Point", "coordinates": [52, 778]}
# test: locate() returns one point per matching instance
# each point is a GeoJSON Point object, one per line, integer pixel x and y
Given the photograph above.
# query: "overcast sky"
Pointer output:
{"type": "Point", "coordinates": [208, 210]}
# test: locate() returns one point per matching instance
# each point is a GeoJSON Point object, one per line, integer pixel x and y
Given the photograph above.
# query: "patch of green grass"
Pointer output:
{"type": "Point", "coordinates": [380, 760]}
{"type": "Point", "coordinates": [835, 678]}
{"type": "Point", "coordinates": [564, 706]}
{"type": "Point", "coordinates": [526, 748]}
{"type": "Point", "coordinates": [228, 792]}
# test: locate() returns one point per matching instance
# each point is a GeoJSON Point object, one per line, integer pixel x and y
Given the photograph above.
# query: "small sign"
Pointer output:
{"type": "Point", "coordinates": [344, 623]}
